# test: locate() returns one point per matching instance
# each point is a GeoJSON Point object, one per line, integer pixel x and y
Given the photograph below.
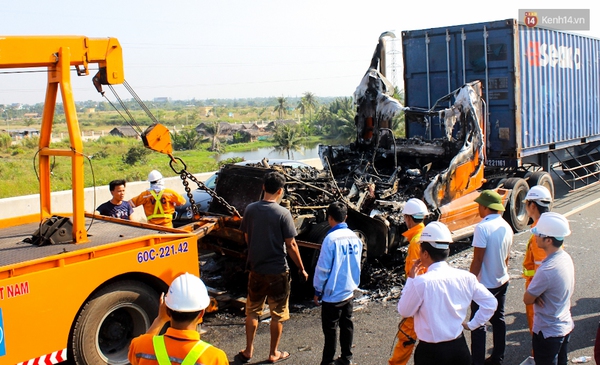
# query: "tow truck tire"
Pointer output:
{"type": "Point", "coordinates": [542, 178]}
{"type": "Point", "coordinates": [110, 319]}
{"type": "Point", "coordinates": [515, 213]}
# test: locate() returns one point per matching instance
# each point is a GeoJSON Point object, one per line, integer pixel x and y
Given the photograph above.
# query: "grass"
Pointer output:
{"type": "Point", "coordinates": [104, 163]}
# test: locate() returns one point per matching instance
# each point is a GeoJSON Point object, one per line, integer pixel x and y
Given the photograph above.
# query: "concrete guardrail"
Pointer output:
{"type": "Point", "coordinates": [61, 201]}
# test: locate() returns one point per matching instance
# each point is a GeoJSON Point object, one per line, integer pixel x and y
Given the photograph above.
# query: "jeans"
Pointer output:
{"type": "Point", "coordinates": [455, 352]}
{"type": "Point", "coordinates": [499, 330]}
{"type": "Point", "coordinates": [550, 350]}
{"type": "Point", "coordinates": [332, 316]}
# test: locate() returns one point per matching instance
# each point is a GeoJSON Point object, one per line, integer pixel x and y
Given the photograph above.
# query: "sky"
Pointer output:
{"type": "Point", "coordinates": [186, 49]}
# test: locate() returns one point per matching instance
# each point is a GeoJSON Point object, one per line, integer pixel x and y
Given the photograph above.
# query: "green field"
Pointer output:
{"type": "Point", "coordinates": [104, 162]}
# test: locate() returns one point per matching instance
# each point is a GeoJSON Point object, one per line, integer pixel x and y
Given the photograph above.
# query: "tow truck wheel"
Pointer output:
{"type": "Point", "coordinates": [515, 213]}
{"type": "Point", "coordinates": [110, 320]}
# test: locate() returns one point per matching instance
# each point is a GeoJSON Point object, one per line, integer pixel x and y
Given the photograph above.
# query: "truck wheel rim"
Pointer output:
{"type": "Point", "coordinates": [116, 330]}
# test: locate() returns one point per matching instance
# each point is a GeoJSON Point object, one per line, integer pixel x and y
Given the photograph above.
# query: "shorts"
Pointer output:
{"type": "Point", "coordinates": [275, 289]}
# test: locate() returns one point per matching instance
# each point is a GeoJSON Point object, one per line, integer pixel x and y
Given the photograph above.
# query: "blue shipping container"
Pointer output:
{"type": "Point", "coordinates": [541, 86]}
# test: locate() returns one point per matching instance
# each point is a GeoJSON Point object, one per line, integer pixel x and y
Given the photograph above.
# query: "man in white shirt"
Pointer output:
{"type": "Point", "coordinates": [439, 300]}
{"type": "Point", "coordinates": [492, 240]}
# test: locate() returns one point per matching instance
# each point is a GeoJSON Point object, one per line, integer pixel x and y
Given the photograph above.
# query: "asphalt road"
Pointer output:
{"type": "Point", "coordinates": [376, 323]}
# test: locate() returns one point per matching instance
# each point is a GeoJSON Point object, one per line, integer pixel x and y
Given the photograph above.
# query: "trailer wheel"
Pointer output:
{"type": "Point", "coordinates": [542, 178]}
{"type": "Point", "coordinates": [110, 320]}
{"type": "Point", "coordinates": [515, 213]}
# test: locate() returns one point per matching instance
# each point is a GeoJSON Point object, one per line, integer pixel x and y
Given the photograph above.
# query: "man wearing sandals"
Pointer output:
{"type": "Point", "coordinates": [269, 232]}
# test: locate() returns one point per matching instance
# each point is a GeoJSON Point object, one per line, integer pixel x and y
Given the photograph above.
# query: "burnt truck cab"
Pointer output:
{"type": "Point", "coordinates": [383, 171]}
{"type": "Point", "coordinates": [307, 194]}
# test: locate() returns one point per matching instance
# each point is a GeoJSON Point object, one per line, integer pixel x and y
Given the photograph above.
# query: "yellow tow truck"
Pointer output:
{"type": "Point", "coordinates": [85, 285]}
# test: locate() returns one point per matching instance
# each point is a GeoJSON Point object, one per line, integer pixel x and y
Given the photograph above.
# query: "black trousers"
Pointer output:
{"type": "Point", "coordinates": [455, 352]}
{"type": "Point", "coordinates": [498, 328]}
{"type": "Point", "coordinates": [332, 316]}
{"type": "Point", "coordinates": [550, 350]}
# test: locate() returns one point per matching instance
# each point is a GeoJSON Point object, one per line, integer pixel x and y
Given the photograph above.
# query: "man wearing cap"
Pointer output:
{"type": "Point", "coordinates": [439, 300]}
{"type": "Point", "coordinates": [492, 240]}
{"type": "Point", "coordinates": [414, 212]}
{"type": "Point", "coordinates": [537, 201]}
{"type": "Point", "coordinates": [183, 306]}
{"type": "Point", "coordinates": [159, 202]}
{"type": "Point", "coordinates": [550, 292]}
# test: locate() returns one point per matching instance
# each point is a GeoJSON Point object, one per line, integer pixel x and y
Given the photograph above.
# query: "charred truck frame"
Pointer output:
{"type": "Point", "coordinates": [376, 174]}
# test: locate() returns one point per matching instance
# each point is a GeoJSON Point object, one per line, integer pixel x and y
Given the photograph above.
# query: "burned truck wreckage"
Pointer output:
{"type": "Point", "coordinates": [378, 172]}
{"type": "Point", "coordinates": [374, 175]}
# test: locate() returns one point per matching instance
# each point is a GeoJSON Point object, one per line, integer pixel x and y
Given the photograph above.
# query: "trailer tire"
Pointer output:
{"type": "Point", "coordinates": [542, 178]}
{"type": "Point", "coordinates": [110, 319]}
{"type": "Point", "coordinates": [515, 213]}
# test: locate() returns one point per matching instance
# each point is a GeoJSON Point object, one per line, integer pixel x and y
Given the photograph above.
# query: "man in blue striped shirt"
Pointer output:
{"type": "Point", "coordinates": [337, 275]}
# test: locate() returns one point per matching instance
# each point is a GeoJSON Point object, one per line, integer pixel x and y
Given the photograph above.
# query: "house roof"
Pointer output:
{"type": "Point", "coordinates": [126, 131]}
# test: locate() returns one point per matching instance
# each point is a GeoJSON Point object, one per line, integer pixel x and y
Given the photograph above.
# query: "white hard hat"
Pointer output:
{"type": "Point", "coordinates": [437, 235]}
{"type": "Point", "coordinates": [187, 293]}
{"type": "Point", "coordinates": [154, 176]}
{"type": "Point", "coordinates": [552, 224]}
{"type": "Point", "coordinates": [415, 208]}
{"type": "Point", "coordinates": [539, 194]}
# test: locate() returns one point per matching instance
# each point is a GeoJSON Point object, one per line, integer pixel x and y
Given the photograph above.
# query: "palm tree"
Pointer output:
{"type": "Point", "coordinates": [213, 129]}
{"type": "Point", "coordinates": [310, 103]}
{"type": "Point", "coordinates": [288, 139]}
{"type": "Point", "coordinates": [281, 106]}
{"type": "Point", "coordinates": [337, 119]}
{"type": "Point", "coordinates": [186, 140]}
{"type": "Point", "coordinates": [301, 107]}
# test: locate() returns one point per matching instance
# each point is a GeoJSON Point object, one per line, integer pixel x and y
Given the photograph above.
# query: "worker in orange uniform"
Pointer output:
{"type": "Point", "coordinates": [159, 203]}
{"type": "Point", "coordinates": [414, 212]}
{"type": "Point", "coordinates": [537, 201]}
{"type": "Point", "coordinates": [184, 307]}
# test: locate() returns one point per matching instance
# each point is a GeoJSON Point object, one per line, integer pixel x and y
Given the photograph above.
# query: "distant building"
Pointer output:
{"type": "Point", "coordinates": [21, 133]}
{"type": "Point", "coordinates": [124, 131]}
{"type": "Point", "coordinates": [276, 123]}
{"type": "Point", "coordinates": [31, 115]}
{"type": "Point", "coordinates": [224, 128]}
{"type": "Point", "coordinates": [246, 135]}
{"type": "Point", "coordinates": [252, 126]}
{"type": "Point", "coordinates": [162, 99]}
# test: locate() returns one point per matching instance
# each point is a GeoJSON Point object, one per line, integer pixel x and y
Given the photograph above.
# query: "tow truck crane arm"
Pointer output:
{"type": "Point", "coordinates": [58, 54]}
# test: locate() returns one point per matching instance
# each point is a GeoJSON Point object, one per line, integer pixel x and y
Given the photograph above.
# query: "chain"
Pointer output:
{"type": "Point", "coordinates": [184, 175]}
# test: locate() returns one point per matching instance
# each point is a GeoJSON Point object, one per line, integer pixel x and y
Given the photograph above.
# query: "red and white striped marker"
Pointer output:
{"type": "Point", "coordinates": [49, 359]}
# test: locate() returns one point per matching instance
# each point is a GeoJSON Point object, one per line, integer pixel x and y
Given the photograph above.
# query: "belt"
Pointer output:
{"type": "Point", "coordinates": [442, 342]}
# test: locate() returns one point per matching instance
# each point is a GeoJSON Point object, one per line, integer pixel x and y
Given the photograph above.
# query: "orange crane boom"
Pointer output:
{"type": "Point", "coordinates": [58, 54]}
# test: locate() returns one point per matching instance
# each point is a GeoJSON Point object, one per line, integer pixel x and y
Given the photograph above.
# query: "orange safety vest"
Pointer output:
{"type": "Point", "coordinates": [413, 236]}
{"type": "Point", "coordinates": [162, 356]}
{"type": "Point", "coordinates": [533, 257]}
{"type": "Point", "coordinates": [158, 206]}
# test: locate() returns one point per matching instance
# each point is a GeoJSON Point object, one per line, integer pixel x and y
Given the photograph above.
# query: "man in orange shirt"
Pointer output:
{"type": "Point", "coordinates": [537, 201]}
{"type": "Point", "coordinates": [414, 212]}
{"type": "Point", "coordinates": [184, 307]}
{"type": "Point", "coordinates": [159, 203]}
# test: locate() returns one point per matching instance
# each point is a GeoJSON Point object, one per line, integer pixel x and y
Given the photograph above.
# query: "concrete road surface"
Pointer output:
{"type": "Point", "coordinates": [376, 322]}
